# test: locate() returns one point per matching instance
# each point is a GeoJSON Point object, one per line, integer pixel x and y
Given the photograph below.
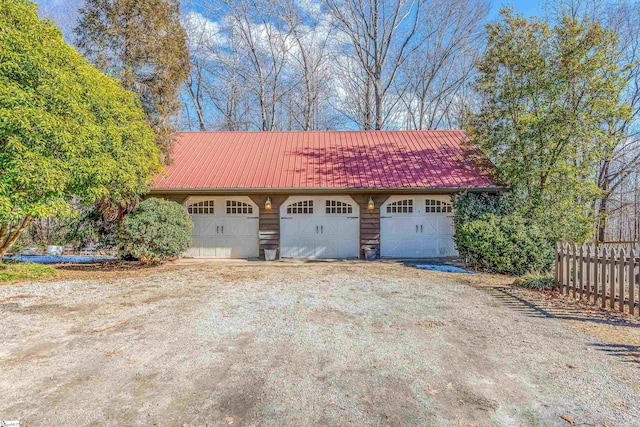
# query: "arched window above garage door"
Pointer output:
{"type": "Point", "coordinates": [235, 207]}
{"type": "Point", "coordinates": [401, 206]}
{"type": "Point", "coordinates": [338, 207]}
{"type": "Point", "coordinates": [204, 207]}
{"type": "Point", "coordinates": [437, 206]}
{"type": "Point", "coordinates": [301, 207]}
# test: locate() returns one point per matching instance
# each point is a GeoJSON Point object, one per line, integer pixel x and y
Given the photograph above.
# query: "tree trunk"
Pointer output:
{"type": "Point", "coordinates": [602, 219]}
{"type": "Point", "coordinates": [367, 125]}
{"type": "Point", "coordinates": [378, 96]}
{"type": "Point", "coordinates": [195, 98]}
{"type": "Point", "coordinates": [8, 236]}
{"type": "Point", "coordinates": [603, 183]}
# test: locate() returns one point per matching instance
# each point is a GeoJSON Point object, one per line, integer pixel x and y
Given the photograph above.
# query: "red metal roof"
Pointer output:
{"type": "Point", "coordinates": [331, 159]}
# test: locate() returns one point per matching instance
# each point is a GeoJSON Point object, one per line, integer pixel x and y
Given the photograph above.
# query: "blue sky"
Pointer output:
{"type": "Point", "coordinates": [526, 7]}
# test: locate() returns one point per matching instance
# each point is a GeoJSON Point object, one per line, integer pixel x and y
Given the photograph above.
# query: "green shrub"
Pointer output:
{"type": "Point", "coordinates": [471, 206]}
{"type": "Point", "coordinates": [504, 244]}
{"type": "Point", "coordinates": [536, 281]}
{"type": "Point", "coordinates": [156, 230]}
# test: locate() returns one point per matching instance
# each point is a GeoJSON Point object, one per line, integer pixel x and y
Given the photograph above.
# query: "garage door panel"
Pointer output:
{"type": "Point", "coordinates": [431, 227]}
{"type": "Point", "coordinates": [446, 226]}
{"type": "Point", "coordinates": [217, 234]}
{"type": "Point", "coordinates": [239, 227]}
{"type": "Point", "coordinates": [236, 247]}
{"type": "Point", "coordinates": [400, 237]}
{"type": "Point", "coordinates": [431, 247]}
{"type": "Point", "coordinates": [323, 249]}
{"type": "Point", "coordinates": [306, 248]}
{"type": "Point", "coordinates": [425, 230]}
{"type": "Point", "coordinates": [330, 231]}
{"type": "Point", "coordinates": [447, 248]}
{"type": "Point", "coordinates": [307, 226]}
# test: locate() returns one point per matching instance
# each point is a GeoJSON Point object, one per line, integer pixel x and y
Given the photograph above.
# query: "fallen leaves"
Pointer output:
{"type": "Point", "coordinates": [430, 323]}
{"type": "Point", "coordinates": [111, 326]}
{"type": "Point", "coordinates": [568, 419]}
{"type": "Point", "coordinates": [21, 296]}
{"type": "Point", "coordinates": [113, 353]}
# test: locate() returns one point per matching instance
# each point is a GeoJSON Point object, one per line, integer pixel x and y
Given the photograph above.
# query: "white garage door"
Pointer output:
{"type": "Point", "coordinates": [223, 228]}
{"type": "Point", "coordinates": [417, 227]}
{"type": "Point", "coordinates": [319, 227]}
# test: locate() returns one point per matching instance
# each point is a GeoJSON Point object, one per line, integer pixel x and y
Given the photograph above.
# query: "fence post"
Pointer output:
{"type": "Point", "coordinates": [631, 268]}
{"type": "Point", "coordinates": [621, 281]}
{"type": "Point", "coordinates": [596, 274]}
{"type": "Point", "coordinates": [635, 263]}
{"type": "Point", "coordinates": [588, 249]}
{"type": "Point", "coordinates": [581, 272]}
{"type": "Point", "coordinates": [612, 279]}
{"type": "Point", "coordinates": [567, 268]}
{"type": "Point", "coordinates": [603, 274]}
{"type": "Point", "coordinates": [574, 261]}
{"type": "Point", "coordinates": [558, 264]}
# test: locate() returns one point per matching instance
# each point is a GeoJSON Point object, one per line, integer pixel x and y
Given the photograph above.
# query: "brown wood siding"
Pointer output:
{"type": "Point", "coordinates": [269, 222]}
{"type": "Point", "coordinates": [370, 220]}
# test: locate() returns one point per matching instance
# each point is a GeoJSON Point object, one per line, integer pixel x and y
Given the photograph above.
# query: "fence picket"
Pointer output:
{"type": "Point", "coordinates": [632, 293]}
{"type": "Point", "coordinates": [575, 270]}
{"type": "Point", "coordinates": [567, 259]}
{"type": "Point", "coordinates": [596, 274]}
{"type": "Point", "coordinates": [621, 281]}
{"type": "Point", "coordinates": [612, 279]}
{"type": "Point", "coordinates": [603, 271]}
{"type": "Point", "coordinates": [588, 274]}
{"type": "Point", "coordinates": [581, 272]}
{"type": "Point", "coordinates": [556, 266]}
{"type": "Point", "coordinates": [635, 256]}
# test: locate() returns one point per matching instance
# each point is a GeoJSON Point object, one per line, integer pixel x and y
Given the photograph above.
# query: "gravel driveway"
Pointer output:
{"type": "Point", "coordinates": [315, 344]}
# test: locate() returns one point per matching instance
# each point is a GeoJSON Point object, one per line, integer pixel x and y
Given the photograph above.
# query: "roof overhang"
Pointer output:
{"type": "Point", "coordinates": [346, 190]}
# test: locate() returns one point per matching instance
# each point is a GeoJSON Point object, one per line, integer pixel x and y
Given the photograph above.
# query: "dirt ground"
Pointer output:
{"type": "Point", "coordinates": [310, 344]}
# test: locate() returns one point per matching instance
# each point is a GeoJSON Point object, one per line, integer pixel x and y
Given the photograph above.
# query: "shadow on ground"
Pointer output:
{"type": "Point", "coordinates": [108, 266]}
{"type": "Point", "coordinates": [628, 353]}
{"type": "Point", "coordinates": [537, 304]}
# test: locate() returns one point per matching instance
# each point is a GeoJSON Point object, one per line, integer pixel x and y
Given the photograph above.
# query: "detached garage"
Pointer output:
{"type": "Point", "coordinates": [323, 194]}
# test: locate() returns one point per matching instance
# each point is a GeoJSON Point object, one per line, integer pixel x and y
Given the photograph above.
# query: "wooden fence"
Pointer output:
{"type": "Point", "coordinates": [605, 274]}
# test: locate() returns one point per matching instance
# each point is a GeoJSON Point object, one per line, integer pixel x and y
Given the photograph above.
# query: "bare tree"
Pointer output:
{"type": "Point", "coordinates": [290, 64]}
{"type": "Point", "coordinates": [310, 60]}
{"type": "Point", "coordinates": [433, 81]}
{"type": "Point", "coordinates": [265, 44]}
{"type": "Point", "coordinates": [379, 36]}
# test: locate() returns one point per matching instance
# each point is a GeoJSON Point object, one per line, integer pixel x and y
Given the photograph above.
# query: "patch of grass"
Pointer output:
{"type": "Point", "coordinates": [536, 281]}
{"type": "Point", "coordinates": [24, 271]}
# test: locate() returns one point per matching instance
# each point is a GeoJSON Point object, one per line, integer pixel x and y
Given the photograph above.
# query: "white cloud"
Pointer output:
{"type": "Point", "coordinates": [203, 32]}
{"type": "Point", "coordinates": [312, 7]}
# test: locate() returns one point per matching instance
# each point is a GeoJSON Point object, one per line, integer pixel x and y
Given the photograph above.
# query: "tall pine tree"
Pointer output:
{"type": "Point", "coordinates": [142, 43]}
